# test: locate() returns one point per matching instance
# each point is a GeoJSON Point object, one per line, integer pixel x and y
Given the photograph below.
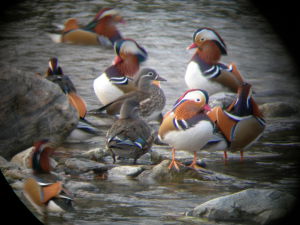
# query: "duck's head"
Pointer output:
{"type": "Point", "coordinates": [110, 14]}
{"type": "Point", "coordinates": [191, 102]}
{"type": "Point", "coordinates": [53, 68]}
{"type": "Point", "coordinates": [126, 48]}
{"type": "Point", "coordinates": [148, 75]}
{"type": "Point", "coordinates": [204, 36]}
{"type": "Point", "coordinates": [40, 161]}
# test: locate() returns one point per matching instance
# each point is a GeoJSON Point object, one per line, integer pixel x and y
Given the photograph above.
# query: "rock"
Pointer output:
{"type": "Point", "coordinates": [261, 206]}
{"type": "Point", "coordinates": [31, 108]}
{"type": "Point", "coordinates": [96, 154]}
{"type": "Point", "coordinates": [161, 173]}
{"type": "Point", "coordinates": [82, 165]}
{"type": "Point", "coordinates": [22, 159]}
{"type": "Point", "coordinates": [124, 172]}
{"type": "Point", "coordinates": [77, 186]}
{"type": "Point", "coordinates": [279, 109]}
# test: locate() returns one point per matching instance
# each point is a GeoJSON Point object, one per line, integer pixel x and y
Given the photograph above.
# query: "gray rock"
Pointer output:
{"type": "Point", "coordinates": [261, 206]}
{"type": "Point", "coordinates": [77, 186]}
{"type": "Point", "coordinates": [124, 172]}
{"type": "Point", "coordinates": [161, 173]}
{"type": "Point", "coordinates": [80, 165]}
{"type": "Point", "coordinates": [31, 108]}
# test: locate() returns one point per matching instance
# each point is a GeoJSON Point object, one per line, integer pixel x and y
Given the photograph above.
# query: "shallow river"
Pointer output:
{"type": "Point", "coordinates": [165, 29]}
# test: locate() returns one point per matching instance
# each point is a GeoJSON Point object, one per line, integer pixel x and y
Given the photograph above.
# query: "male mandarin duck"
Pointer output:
{"type": "Point", "coordinates": [130, 136]}
{"type": "Point", "coordinates": [101, 30]}
{"type": "Point", "coordinates": [43, 190]}
{"type": "Point", "coordinates": [47, 197]}
{"type": "Point", "coordinates": [204, 70]}
{"type": "Point", "coordinates": [40, 161]}
{"type": "Point", "coordinates": [56, 75]}
{"type": "Point", "coordinates": [116, 80]}
{"type": "Point", "coordinates": [150, 97]}
{"type": "Point", "coordinates": [187, 126]}
{"type": "Point", "coordinates": [241, 123]}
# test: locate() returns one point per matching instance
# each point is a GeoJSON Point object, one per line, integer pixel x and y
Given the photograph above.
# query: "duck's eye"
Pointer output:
{"type": "Point", "coordinates": [202, 39]}
{"type": "Point", "coordinates": [198, 100]}
{"type": "Point", "coordinates": [150, 73]}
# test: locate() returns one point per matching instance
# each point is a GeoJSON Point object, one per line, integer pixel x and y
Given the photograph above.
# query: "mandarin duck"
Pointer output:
{"type": "Point", "coordinates": [43, 190]}
{"type": "Point", "coordinates": [205, 70]}
{"type": "Point", "coordinates": [129, 136]}
{"type": "Point", "coordinates": [241, 123]}
{"type": "Point", "coordinates": [40, 161]}
{"type": "Point", "coordinates": [186, 126]}
{"type": "Point", "coordinates": [150, 97]}
{"type": "Point", "coordinates": [47, 197]}
{"type": "Point", "coordinates": [116, 80]}
{"type": "Point", "coordinates": [56, 75]}
{"type": "Point", "coordinates": [101, 30]}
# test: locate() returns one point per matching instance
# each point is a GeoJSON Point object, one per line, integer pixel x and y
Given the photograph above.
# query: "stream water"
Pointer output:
{"type": "Point", "coordinates": [165, 29]}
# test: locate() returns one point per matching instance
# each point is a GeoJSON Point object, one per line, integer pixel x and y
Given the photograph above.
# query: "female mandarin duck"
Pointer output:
{"type": "Point", "coordinates": [101, 30]}
{"type": "Point", "coordinates": [186, 126]}
{"type": "Point", "coordinates": [55, 74]}
{"type": "Point", "coordinates": [241, 123]}
{"type": "Point", "coordinates": [204, 70]}
{"type": "Point", "coordinates": [130, 136]}
{"type": "Point", "coordinates": [45, 196]}
{"type": "Point", "coordinates": [115, 81]}
{"type": "Point", "coordinates": [150, 97]}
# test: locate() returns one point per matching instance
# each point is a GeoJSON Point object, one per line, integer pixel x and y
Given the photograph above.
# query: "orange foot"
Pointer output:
{"type": "Point", "coordinates": [176, 164]}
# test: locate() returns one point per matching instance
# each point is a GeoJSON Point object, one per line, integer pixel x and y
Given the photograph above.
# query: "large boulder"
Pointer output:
{"type": "Point", "coordinates": [262, 206]}
{"type": "Point", "coordinates": [31, 108]}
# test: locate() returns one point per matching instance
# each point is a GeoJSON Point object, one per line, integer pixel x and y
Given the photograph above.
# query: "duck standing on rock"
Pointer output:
{"type": "Point", "coordinates": [43, 190]}
{"type": "Point", "coordinates": [130, 136]}
{"type": "Point", "coordinates": [101, 30]}
{"type": "Point", "coordinates": [241, 123]}
{"type": "Point", "coordinates": [187, 126]}
{"type": "Point", "coordinates": [56, 75]}
{"type": "Point", "coordinates": [84, 129]}
{"type": "Point", "coordinates": [205, 71]}
{"type": "Point", "coordinates": [116, 80]}
{"type": "Point", "coordinates": [150, 96]}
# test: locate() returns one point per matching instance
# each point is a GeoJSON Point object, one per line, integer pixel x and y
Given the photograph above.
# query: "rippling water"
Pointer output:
{"type": "Point", "coordinates": [165, 29]}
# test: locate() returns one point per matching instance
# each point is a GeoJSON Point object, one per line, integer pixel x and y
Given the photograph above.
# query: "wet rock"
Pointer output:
{"type": "Point", "coordinates": [97, 154]}
{"type": "Point", "coordinates": [22, 159]}
{"type": "Point", "coordinates": [161, 173]}
{"type": "Point", "coordinates": [77, 186]}
{"type": "Point", "coordinates": [261, 206]}
{"type": "Point", "coordinates": [279, 109]}
{"type": "Point", "coordinates": [82, 165]}
{"type": "Point", "coordinates": [125, 172]}
{"type": "Point", "coordinates": [32, 108]}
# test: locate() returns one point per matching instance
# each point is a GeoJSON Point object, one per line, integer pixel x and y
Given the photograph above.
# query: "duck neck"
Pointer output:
{"type": "Point", "coordinates": [40, 159]}
{"type": "Point", "coordinates": [209, 52]}
{"type": "Point", "coordinates": [128, 67]}
{"type": "Point", "coordinates": [106, 27]}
